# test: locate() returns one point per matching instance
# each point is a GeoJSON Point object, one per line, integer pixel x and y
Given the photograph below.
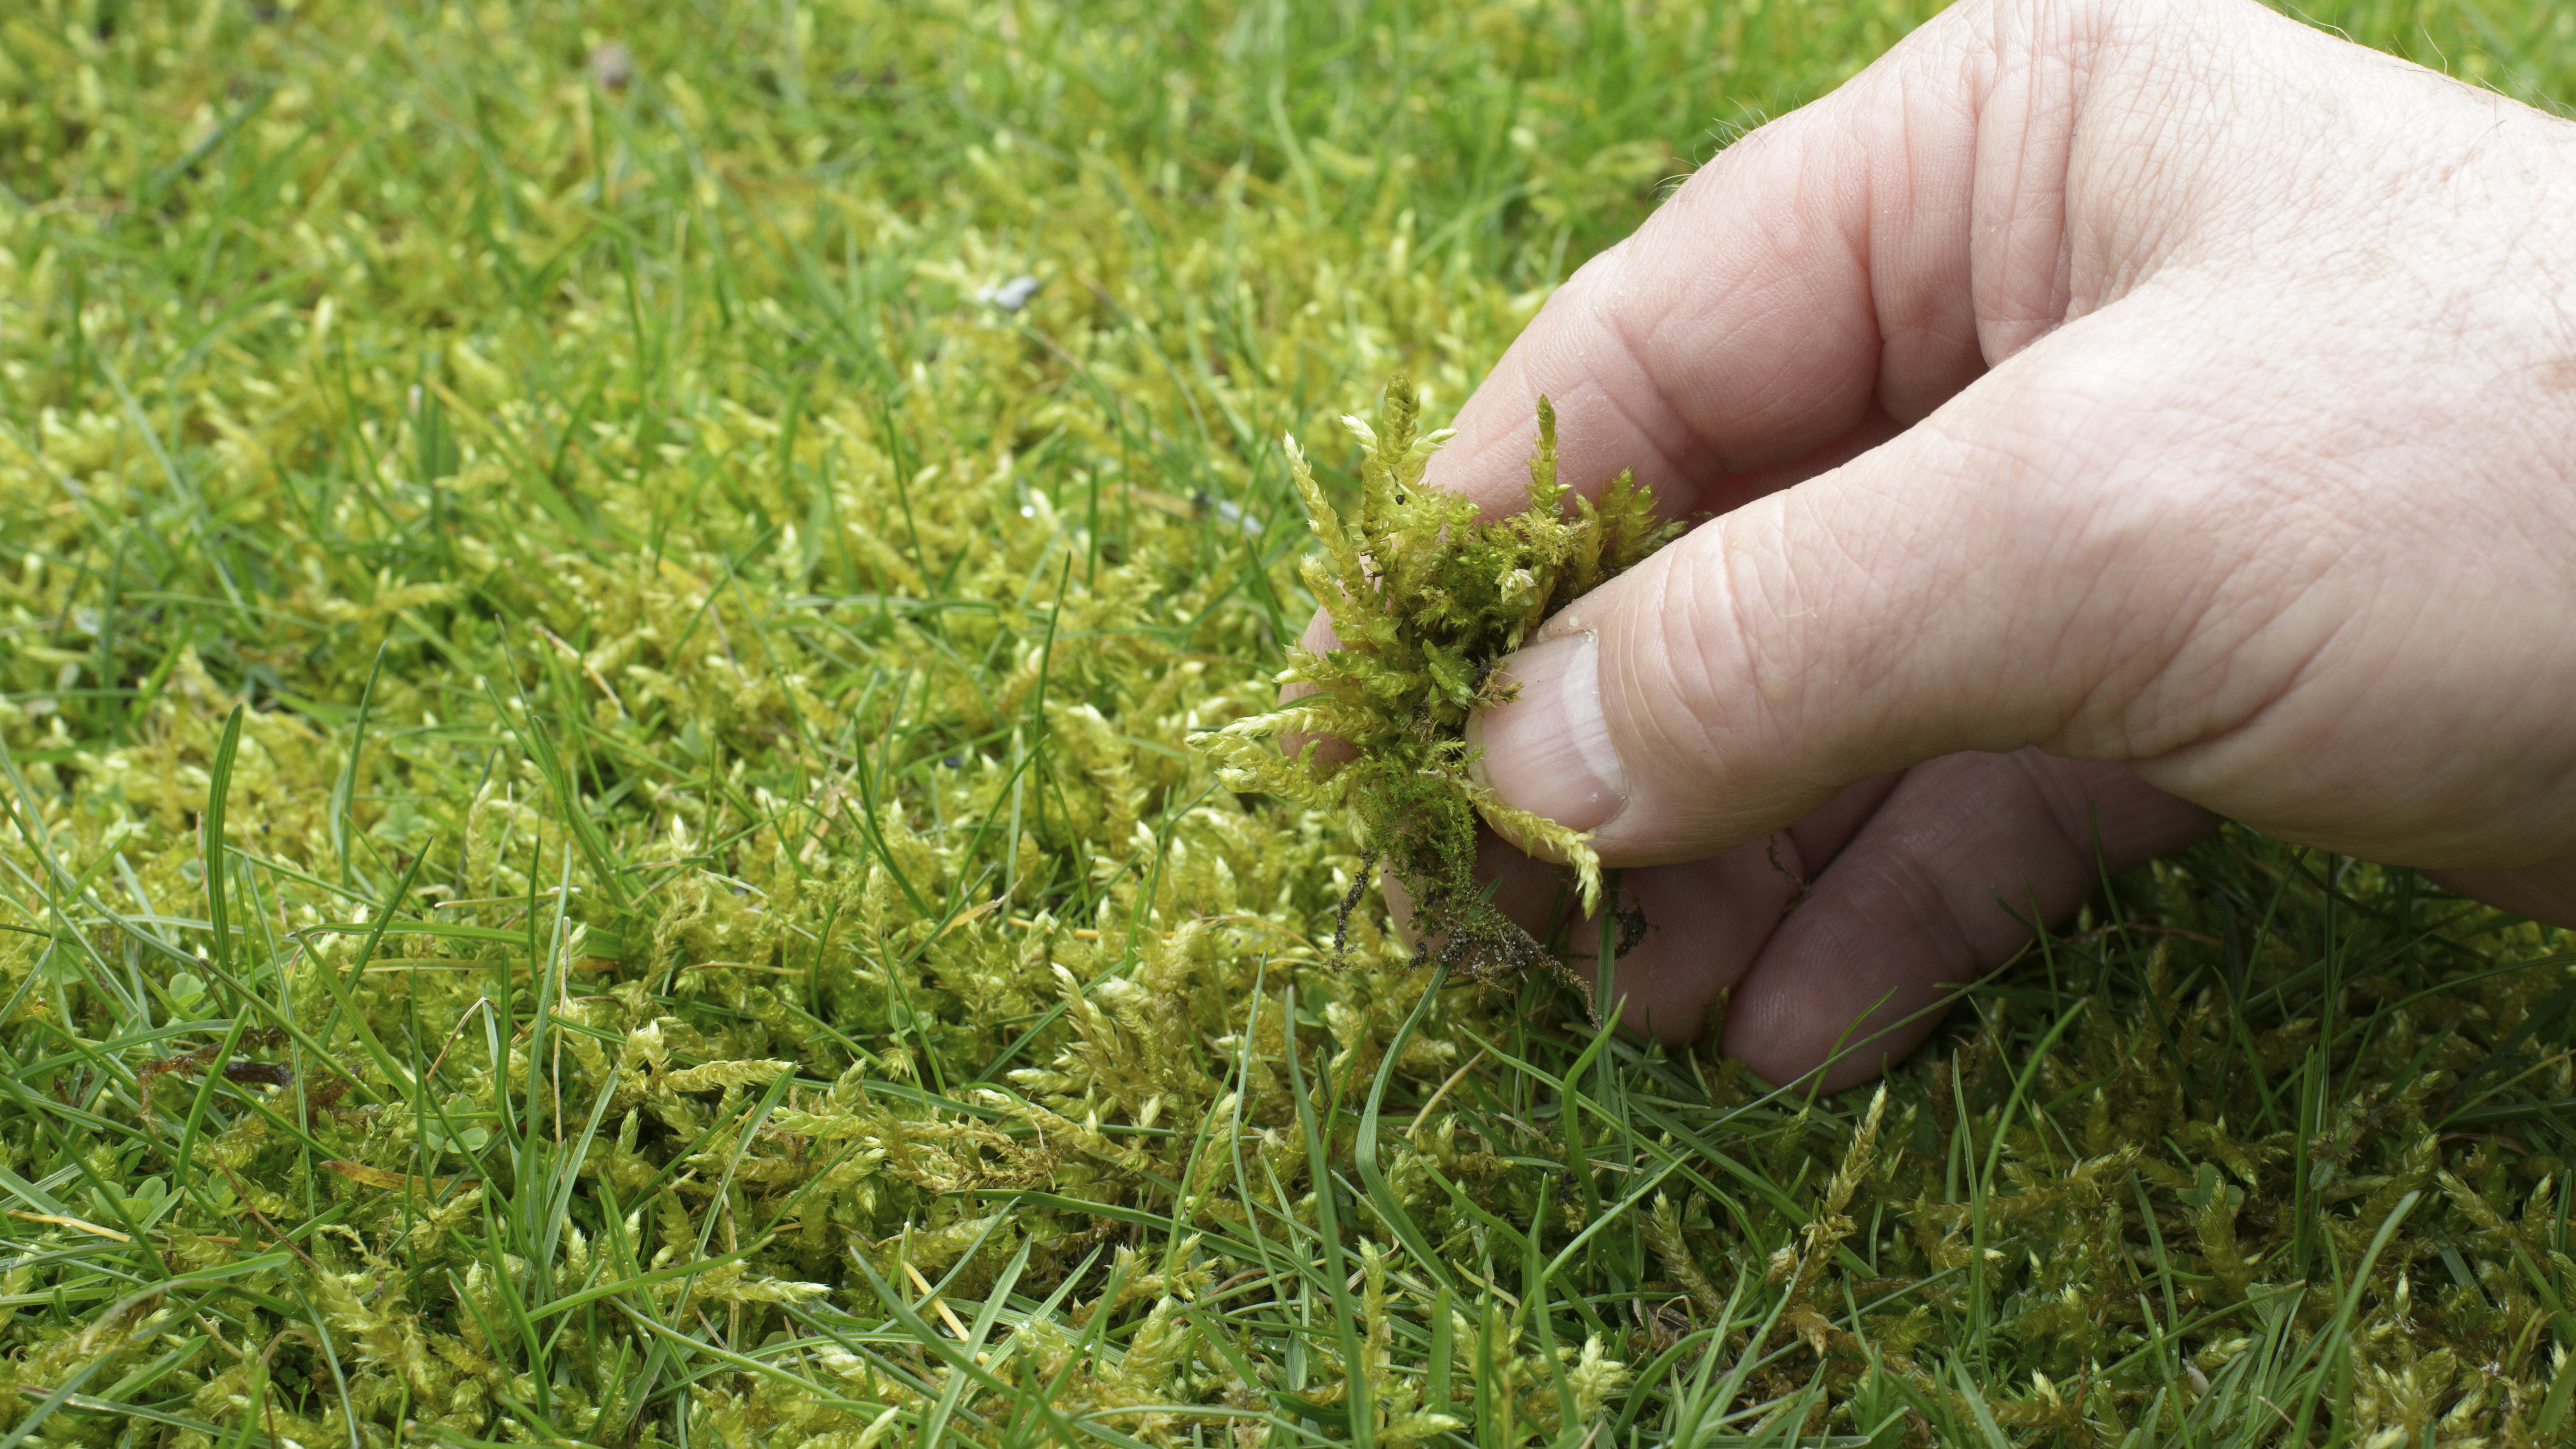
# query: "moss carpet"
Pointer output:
{"type": "Point", "coordinates": [603, 606]}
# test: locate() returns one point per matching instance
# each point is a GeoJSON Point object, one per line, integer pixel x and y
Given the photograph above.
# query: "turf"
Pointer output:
{"type": "Point", "coordinates": [601, 845]}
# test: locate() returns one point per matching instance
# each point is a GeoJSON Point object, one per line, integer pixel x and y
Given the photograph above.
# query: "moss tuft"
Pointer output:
{"type": "Point", "coordinates": [1427, 596]}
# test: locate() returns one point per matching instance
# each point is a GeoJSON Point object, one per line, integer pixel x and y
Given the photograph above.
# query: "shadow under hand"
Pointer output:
{"type": "Point", "coordinates": [1703, 923]}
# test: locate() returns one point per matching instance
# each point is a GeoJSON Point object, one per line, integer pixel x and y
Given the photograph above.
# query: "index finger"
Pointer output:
{"type": "Point", "coordinates": [1810, 292]}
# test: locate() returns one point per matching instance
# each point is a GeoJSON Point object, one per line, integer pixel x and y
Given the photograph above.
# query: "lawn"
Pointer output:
{"type": "Point", "coordinates": [604, 609]}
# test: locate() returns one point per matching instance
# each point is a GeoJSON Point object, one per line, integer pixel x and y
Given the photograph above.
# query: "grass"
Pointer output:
{"type": "Point", "coordinates": [600, 844]}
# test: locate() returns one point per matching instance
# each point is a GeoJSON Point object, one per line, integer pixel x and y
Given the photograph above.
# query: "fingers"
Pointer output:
{"type": "Point", "coordinates": [1808, 310]}
{"type": "Point", "coordinates": [2545, 893]}
{"type": "Point", "coordinates": [1736, 332]}
{"type": "Point", "coordinates": [1706, 921]}
{"type": "Point", "coordinates": [1937, 889]}
{"type": "Point", "coordinates": [1864, 257]}
{"type": "Point", "coordinates": [1329, 751]}
{"type": "Point", "coordinates": [1842, 937]}
{"type": "Point", "coordinates": [1857, 292]}
{"type": "Point", "coordinates": [1953, 590]}
{"type": "Point", "coordinates": [2092, 551]}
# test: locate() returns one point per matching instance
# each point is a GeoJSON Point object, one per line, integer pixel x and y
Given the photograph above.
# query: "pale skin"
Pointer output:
{"type": "Point", "coordinates": [2108, 417]}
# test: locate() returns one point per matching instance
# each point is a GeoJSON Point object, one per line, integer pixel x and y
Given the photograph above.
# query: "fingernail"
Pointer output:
{"type": "Point", "coordinates": [1549, 752]}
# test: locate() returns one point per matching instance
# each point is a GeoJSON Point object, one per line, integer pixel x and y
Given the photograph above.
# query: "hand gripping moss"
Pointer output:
{"type": "Point", "coordinates": [1427, 596]}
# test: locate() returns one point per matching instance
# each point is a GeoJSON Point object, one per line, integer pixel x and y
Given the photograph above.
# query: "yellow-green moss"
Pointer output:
{"type": "Point", "coordinates": [747, 673]}
{"type": "Point", "coordinates": [1426, 597]}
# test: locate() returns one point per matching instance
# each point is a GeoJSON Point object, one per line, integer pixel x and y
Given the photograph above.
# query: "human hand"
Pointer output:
{"type": "Point", "coordinates": [2112, 413]}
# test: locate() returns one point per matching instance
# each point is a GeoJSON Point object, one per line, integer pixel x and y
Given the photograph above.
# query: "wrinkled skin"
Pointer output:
{"type": "Point", "coordinates": [2114, 416]}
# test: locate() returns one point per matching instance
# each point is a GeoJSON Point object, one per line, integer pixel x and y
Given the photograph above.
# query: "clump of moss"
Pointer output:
{"type": "Point", "coordinates": [1427, 596]}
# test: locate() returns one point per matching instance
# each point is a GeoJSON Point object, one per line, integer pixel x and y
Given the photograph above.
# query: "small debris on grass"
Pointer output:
{"type": "Point", "coordinates": [1012, 295]}
{"type": "Point", "coordinates": [611, 65]}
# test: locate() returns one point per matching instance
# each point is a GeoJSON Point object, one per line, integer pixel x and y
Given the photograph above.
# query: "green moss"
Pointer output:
{"type": "Point", "coordinates": [1426, 597]}
{"type": "Point", "coordinates": [712, 835]}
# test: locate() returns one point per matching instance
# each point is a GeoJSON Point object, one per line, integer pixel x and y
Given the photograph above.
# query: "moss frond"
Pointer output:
{"type": "Point", "coordinates": [1426, 596]}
